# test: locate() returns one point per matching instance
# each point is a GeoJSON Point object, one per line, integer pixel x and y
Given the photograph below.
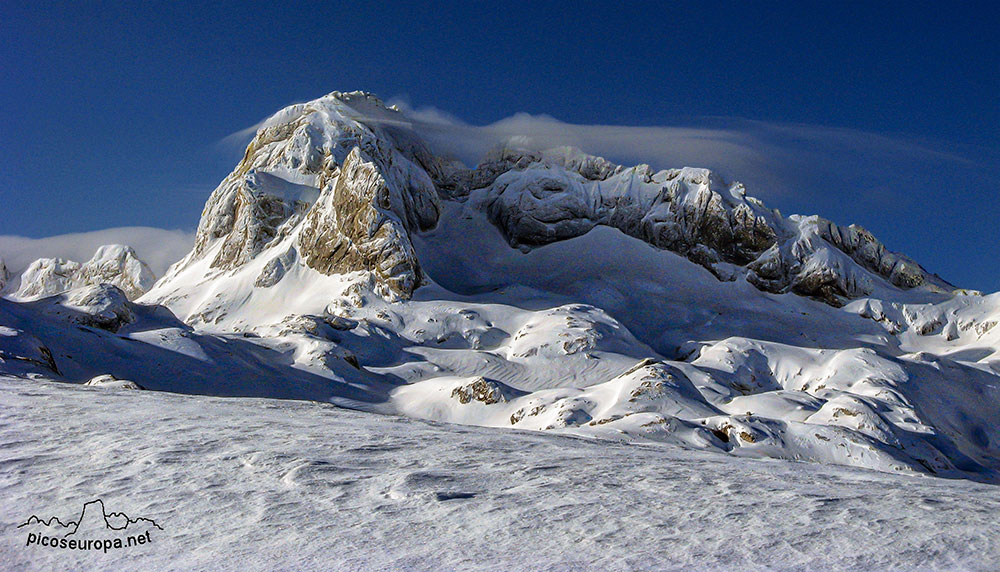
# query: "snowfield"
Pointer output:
{"type": "Point", "coordinates": [259, 484]}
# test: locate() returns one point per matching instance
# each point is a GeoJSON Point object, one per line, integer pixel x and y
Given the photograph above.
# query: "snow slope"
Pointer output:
{"type": "Point", "coordinates": [258, 484]}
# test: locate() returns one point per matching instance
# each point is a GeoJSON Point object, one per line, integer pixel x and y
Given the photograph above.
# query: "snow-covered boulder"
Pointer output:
{"type": "Point", "coordinates": [111, 382]}
{"type": "Point", "coordinates": [102, 306]}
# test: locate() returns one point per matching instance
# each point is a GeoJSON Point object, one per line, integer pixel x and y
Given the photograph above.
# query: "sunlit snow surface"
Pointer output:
{"type": "Point", "coordinates": [259, 484]}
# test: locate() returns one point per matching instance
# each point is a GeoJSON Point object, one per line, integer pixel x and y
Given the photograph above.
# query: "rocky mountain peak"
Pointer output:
{"type": "Point", "coordinates": [338, 178]}
{"type": "Point", "coordinates": [113, 264]}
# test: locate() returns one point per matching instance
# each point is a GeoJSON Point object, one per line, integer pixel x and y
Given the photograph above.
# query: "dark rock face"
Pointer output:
{"type": "Point", "coordinates": [676, 212]}
{"type": "Point", "coordinates": [866, 250]}
{"type": "Point", "coordinates": [352, 227]}
{"type": "Point", "coordinates": [539, 200]}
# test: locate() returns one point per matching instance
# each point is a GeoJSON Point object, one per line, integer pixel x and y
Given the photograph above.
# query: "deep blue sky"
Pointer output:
{"type": "Point", "coordinates": [111, 113]}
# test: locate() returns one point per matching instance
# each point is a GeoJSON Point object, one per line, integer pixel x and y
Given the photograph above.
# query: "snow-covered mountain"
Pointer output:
{"type": "Point", "coordinates": [343, 260]}
{"type": "Point", "coordinates": [113, 264]}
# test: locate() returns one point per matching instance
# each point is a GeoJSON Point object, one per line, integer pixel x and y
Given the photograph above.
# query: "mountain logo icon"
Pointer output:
{"type": "Point", "coordinates": [94, 529]}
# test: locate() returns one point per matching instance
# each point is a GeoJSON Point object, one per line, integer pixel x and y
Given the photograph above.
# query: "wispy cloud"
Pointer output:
{"type": "Point", "coordinates": [774, 159]}
{"type": "Point", "coordinates": [238, 140]}
{"type": "Point", "coordinates": [784, 161]}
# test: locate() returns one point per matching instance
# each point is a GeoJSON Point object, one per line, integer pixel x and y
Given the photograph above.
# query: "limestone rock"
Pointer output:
{"type": "Point", "coordinates": [346, 192]}
{"type": "Point", "coordinates": [353, 227]}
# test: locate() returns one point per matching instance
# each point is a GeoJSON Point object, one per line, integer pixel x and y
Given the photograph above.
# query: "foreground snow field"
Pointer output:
{"type": "Point", "coordinates": [260, 484]}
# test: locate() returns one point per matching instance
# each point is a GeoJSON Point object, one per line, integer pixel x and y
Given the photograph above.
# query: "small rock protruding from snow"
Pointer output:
{"type": "Point", "coordinates": [485, 391]}
{"type": "Point", "coordinates": [109, 381]}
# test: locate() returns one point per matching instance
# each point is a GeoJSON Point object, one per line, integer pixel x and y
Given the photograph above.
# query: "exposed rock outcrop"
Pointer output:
{"type": "Point", "coordinates": [545, 197]}
{"type": "Point", "coordinates": [485, 391]}
{"type": "Point", "coordinates": [353, 227]}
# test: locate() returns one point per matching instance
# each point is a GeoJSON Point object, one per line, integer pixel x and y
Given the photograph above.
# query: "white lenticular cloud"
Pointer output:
{"type": "Point", "coordinates": [773, 159]}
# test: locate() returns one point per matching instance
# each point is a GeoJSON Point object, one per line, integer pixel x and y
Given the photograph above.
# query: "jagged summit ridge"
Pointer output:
{"type": "Point", "coordinates": [340, 184]}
